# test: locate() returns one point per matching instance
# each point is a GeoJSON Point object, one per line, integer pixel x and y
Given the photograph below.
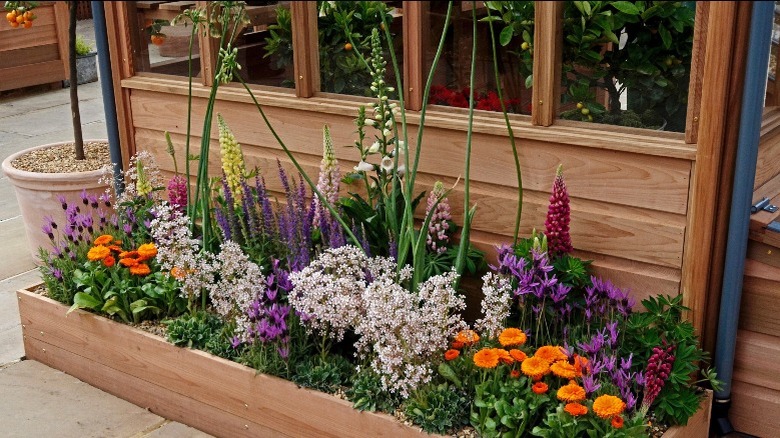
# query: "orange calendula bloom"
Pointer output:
{"type": "Point", "coordinates": [539, 388]}
{"type": "Point", "coordinates": [98, 253]}
{"type": "Point", "coordinates": [128, 262]}
{"type": "Point", "coordinates": [141, 269]}
{"type": "Point", "coordinates": [109, 261]}
{"type": "Point", "coordinates": [105, 239]}
{"type": "Point", "coordinates": [457, 345]}
{"type": "Point", "coordinates": [571, 392]}
{"type": "Point", "coordinates": [515, 374]}
{"type": "Point", "coordinates": [511, 337]}
{"type": "Point", "coordinates": [617, 422]}
{"type": "Point", "coordinates": [606, 406]}
{"type": "Point", "coordinates": [504, 356]}
{"type": "Point", "coordinates": [535, 367]}
{"type": "Point", "coordinates": [128, 254]}
{"type": "Point", "coordinates": [467, 337]}
{"type": "Point", "coordinates": [451, 354]}
{"type": "Point", "coordinates": [517, 355]}
{"type": "Point", "coordinates": [550, 353]}
{"type": "Point", "coordinates": [147, 250]}
{"type": "Point", "coordinates": [566, 370]}
{"type": "Point", "coordinates": [486, 358]}
{"type": "Point", "coordinates": [575, 409]}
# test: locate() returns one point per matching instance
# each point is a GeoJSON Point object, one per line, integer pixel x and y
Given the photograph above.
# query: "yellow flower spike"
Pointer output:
{"type": "Point", "coordinates": [232, 160]}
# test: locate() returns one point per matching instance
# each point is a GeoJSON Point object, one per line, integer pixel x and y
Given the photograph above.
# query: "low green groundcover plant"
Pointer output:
{"type": "Point", "coordinates": [350, 295]}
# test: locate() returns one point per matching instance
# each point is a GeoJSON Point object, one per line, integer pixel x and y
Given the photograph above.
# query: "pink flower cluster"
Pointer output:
{"type": "Point", "coordinates": [177, 193]}
{"type": "Point", "coordinates": [558, 217]}
{"type": "Point", "coordinates": [659, 366]}
{"type": "Point", "coordinates": [439, 224]}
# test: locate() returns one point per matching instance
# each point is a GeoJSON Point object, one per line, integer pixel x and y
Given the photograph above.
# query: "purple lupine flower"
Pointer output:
{"type": "Point", "coordinates": [222, 221]}
{"type": "Point", "coordinates": [177, 193]}
{"type": "Point", "coordinates": [440, 217]}
{"type": "Point", "coordinates": [558, 217]}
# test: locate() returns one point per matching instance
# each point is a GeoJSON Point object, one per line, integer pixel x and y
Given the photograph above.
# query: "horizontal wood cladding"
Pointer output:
{"type": "Point", "coordinates": [627, 207]}
{"type": "Point", "coordinates": [761, 293]}
{"type": "Point", "coordinates": [755, 410]}
{"type": "Point", "coordinates": [218, 396]}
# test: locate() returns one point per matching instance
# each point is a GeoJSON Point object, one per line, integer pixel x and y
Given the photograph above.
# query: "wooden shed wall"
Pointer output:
{"type": "Point", "coordinates": [756, 384]}
{"type": "Point", "coordinates": [37, 55]}
{"type": "Point", "coordinates": [629, 192]}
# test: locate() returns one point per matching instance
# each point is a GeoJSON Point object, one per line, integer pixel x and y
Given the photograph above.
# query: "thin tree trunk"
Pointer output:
{"type": "Point", "coordinates": [74, 95]}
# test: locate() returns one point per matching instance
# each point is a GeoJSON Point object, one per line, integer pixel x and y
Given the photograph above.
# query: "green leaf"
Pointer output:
{"type": "Point", "coordinates": [666, 36]}
{"type": "Point", "coordinates": [529, 81]}
{"type": "Point", "coordinates": [506, 36]}
{"type": "Point", "coordinates": [84, 301]}
{"type": "Point", "coordinates": [626, 7]}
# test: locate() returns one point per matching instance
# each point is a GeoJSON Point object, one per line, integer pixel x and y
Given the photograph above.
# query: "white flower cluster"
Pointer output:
{"type": "Point", "coordinates": [400, 330]}
{"type": "Point", "coordinates": [240, 282]}
{"type": "Point", "coordinates": [496, 304]}
{"type": "Point", "coordinates": [179, 253]}
{"type": "Point", "coordinates": [144, 176]}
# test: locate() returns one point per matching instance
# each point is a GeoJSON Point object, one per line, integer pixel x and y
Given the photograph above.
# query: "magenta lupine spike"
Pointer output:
{"type": "Point", "coordinates": [328, 183]}
{"type": "Point", "coordinates": [659, 367]}
{"type": "Point", "coordinates": [558, 217]}
{"type": "Point", "coordinates": [177, 193]}
{"type": "Point", "coordinates": [439, 225]}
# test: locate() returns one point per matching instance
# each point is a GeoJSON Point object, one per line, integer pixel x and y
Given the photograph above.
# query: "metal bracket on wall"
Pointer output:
{"type": "Point", "coordinates": [774, 226]}
{"type": "Point", "coordinates": [764, 205]}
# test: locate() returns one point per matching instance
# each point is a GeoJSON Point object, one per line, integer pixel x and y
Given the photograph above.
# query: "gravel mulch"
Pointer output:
{"type": "Point", "coordinates": [62, 158]}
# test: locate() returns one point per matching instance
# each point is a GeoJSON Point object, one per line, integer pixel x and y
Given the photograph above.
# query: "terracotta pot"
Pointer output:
{"type": "Point", "coordinates": [38, 195]}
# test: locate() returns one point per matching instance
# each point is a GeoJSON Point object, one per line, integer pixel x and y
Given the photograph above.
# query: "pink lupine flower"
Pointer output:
{"type": "Point", "coordinates": [659, 366]}
{"type": "Point", "coordinates": [558, 217]}
{"type": "Point", "coordinates": [328, 183]}
{"type": "Point", "coordinates": [177, 193]}
{"type": "Point", "coordinates": [439, 224]}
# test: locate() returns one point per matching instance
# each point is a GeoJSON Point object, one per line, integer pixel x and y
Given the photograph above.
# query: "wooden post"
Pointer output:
{"type": "Point", "coordinates": [413, 54]}
{"type": "Point", "coordinates": [700, 28]}
{"type": "Point", "coordinates": [63, 45]}
{"type": "Point", "coordinates": [208, 48]}
{"type": "Point", "coordinates": [306, 51]}
{"type": "Point", "coordinates": [698, 248]}
{"type": "Point", "coordinates": [548, 57]}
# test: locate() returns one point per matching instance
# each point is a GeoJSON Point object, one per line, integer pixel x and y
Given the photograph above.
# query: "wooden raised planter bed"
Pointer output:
{"type": "Point", "coordinates": [209, 393]}
{"type": "Point", "coordinates": [38, 55]}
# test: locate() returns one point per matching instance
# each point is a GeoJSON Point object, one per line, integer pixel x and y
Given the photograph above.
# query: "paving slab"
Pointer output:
{"type": "Point", "coordinates": [11, 347]}
{"type": "Point", "coordinates": [49, 403]}
{"type": "Point", "coordinates": [176, 430]}
{"type": "Point", "coordinates": [9, 207]}
{"type": "Point", "coordinates": [17, 256]}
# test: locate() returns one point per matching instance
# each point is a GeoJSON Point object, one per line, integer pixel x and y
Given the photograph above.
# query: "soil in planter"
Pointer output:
{"type": "Point", "coordinates": [62, 158]}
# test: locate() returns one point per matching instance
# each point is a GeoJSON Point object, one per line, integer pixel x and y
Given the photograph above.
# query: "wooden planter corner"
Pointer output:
{"type": "Point", "coordinates": [212, 394]}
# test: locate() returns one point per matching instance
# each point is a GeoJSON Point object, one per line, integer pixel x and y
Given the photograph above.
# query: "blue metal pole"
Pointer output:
{"type": "Point", "coordinates": [754, 90]}
{"type": "Point", "coordinates": [107, 87]}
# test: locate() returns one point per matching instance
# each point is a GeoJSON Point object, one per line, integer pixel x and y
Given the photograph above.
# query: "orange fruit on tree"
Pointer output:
{"type": "Point", "coordinates": [158, 39]}
{"type": "Point", "coordinates": [348, 47]}
{"type": "Point", "coordinates": [27, 24]}
{"type": "Point", "coordinates": [27, 15]}
{"type": "Point", "coordinates": [11, 16]}
{"type": "Point", "coordinates": [20, 19]}
{"type": "Point", "coordinates": [14, 24]}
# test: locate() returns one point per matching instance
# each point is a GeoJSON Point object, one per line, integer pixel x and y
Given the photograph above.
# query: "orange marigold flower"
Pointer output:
{"type": "Point", "coordinates": [457, 345]}
{"type": "Point", "coordinates": [467, 337]}
{"type": "Point", "coordinates": [141, 269]}
{"type": "Point", "coordinates": [535, 367]}
{"type": "Point", "coordinates": [571, 392]}
{"type": "Point", "coordinates": [617, 422]}
{"type": "Point", "coordinates": [451, 354]}
{"type": "Point", "coordinates": [512, 337]}
{"type": "Point", "coordinates": [606, 406]}
{"type": "Point", "coordinates": [128, 262]}
{"type": "Point", "coordinates": [147, 250]}
{"type": "Point", "coordinates": [517, 355]}
{"type": "Point", "coordinates": [539, 388]}
{"type": "Point", "coordinates": [105, 239]}
{"type": "Point", "coordinates": [116, 248]}
{"type": "Point", "coordinates": [550, 353]}
{"type": "Point", "coordinates": [486, 358]}
{"type": "Point", "coordinates": [575, 409]}
{"type": "Point", "coordinates": [117, 242]}
{"type": "Point", "coordinates": [566, 370]}
{"type": "Point", "coordinates": [109, 261]}
{"type": "Point", "coordinates": [514, 374]}
{"type": "Point", "coordinates": [128, 254]}
{"type": "Point", "coordinates": [504, 356]}
{"type": "Point", "coordinates": [98, 253]}
{"type": "Point", "coordinates": [177, 273]}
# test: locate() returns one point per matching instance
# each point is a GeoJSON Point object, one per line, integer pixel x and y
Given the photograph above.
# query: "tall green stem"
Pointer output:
{"type": "Point", "coordinates": [189, 119]}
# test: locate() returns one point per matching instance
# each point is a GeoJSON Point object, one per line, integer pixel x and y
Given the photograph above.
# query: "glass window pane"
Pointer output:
{"type": "Point", "coordinates": [159, 47]}
{"type": "Point", "coordinates": [341, 70]}
{"type": "Point", "coordinates": [627, 63]}
{"type": "Point", "coordinates": [513, 30]}
{"type": "Point", "coordinates": [265, 50]}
